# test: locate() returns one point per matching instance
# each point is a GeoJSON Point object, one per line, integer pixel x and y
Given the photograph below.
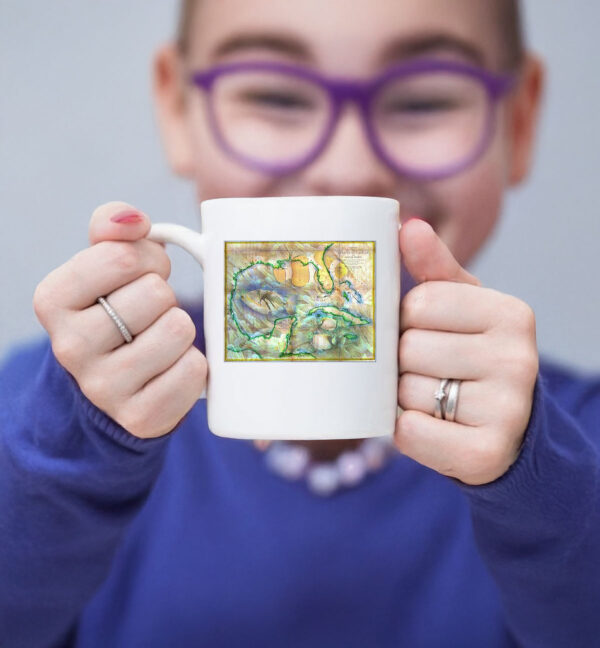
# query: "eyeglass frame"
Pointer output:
{"type": "Point", "coordinates": [361, 92]}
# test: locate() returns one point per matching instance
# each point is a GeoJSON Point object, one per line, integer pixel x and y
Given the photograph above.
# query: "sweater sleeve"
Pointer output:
{"type": "Point", "coordinates": [71, 479]}
{"type": "Point", "coordinates": [538, 526]}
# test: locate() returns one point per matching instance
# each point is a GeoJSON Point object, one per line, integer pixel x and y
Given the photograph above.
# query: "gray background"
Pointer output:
{"type": "Point", "coordinates": [77, 129]}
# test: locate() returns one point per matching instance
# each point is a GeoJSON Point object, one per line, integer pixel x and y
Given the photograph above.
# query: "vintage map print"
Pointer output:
{"type": "Point", "coordinates": [300, 300]}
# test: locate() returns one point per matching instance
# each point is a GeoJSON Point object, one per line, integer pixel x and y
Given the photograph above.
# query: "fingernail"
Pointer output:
{"type": "Point", "coordinates": [127, 216]}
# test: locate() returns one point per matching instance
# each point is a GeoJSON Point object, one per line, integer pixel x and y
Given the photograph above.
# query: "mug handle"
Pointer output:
{"type": "Point", "coordinates": [188, 239]}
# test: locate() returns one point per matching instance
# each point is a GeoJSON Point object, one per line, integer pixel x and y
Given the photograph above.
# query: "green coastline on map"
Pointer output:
{"type": "Point", "coordinates": [312, 300]}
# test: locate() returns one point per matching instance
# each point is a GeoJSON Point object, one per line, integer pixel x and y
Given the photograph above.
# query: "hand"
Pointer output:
{"type": "Point", "coordinates": [451, 327]}
{"type": "Point", "coordinates": [147, 386]}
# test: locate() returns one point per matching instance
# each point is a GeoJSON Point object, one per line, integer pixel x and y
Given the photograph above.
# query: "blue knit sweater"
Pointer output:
{"type": "Point", "coordinates": [109, 541]}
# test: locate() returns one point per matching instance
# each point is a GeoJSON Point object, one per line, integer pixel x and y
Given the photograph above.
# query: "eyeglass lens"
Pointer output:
{"type": "Point", "coordinates": [423, 122]}
{"type": "Point", "coordinates": [269, 116]}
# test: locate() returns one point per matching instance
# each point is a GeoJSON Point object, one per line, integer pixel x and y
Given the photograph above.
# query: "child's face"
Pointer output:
{"type": "Point", "coordinates": [352, 39]}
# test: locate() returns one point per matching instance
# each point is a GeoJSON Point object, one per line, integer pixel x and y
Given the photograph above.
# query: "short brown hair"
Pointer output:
{"type": "Point", "coordinates": [508, 19]}
{"type": "Point", "coordinates": [510, 24]}
{"type": "Point", "coordinates": [186, 15]}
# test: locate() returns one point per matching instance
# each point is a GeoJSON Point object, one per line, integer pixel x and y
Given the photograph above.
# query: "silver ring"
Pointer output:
{"type": "Point", "coordinates": [440, 396]}
{"type": "Point", "coordinates": [452, 401]}
{"type": "Point", "coordinates": [116, 319]}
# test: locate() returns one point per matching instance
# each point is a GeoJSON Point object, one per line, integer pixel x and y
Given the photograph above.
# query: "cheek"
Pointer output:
{"type": "Point", "coordinates": [470, 204]}
{"type": "Point", "coordinates": [217, 175]}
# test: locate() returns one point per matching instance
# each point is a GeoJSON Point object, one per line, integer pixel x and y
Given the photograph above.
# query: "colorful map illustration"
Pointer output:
{"type": "Point", "coordinates": [300, 300]}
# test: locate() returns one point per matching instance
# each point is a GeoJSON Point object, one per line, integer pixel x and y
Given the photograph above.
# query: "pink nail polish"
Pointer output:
{"type": "Point", "coordinates": [127, 216]}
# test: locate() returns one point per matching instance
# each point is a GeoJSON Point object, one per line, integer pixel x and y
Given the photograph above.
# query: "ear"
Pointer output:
{"type": "Point", "coordinates": [171, 109]}
{"type": "Point", "coordinates": [524, 118]}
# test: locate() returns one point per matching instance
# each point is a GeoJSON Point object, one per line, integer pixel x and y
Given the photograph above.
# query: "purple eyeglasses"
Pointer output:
{"type": "Point", "coordinates": [427, 119]}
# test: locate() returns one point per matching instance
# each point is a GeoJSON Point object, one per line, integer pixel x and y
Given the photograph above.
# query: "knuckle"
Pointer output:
{"type": "Point", "coordinates": [179, 324]}
{"type": "Point", "coordinates": [164, 265]}
{"type": "Point", "coordinates": [522, 364]}
{"type": "Point", "coordinates": [414, 303]}
{"type": "Point", "coordinates": [135, 420]}
{"type": "Point", "coordinates": [512, 420]}
{"type": "Point", "coordinates": [491, 453]}
{"type": "Point", "coordinates": [516, 359]}
{"type": "Point", "coordinates": [155, 257]}
{"type": "Point", "coordinates": [404, 391]}
{"type": "Point", "coordinates": [406, 422]}
{"type": "Point", "coordinates": [161, 290]}
{"type": "Point", "coordinates": [527, 365]}
{"type": "Point", "coordinates": [42, 302]}
{"type": "Point", "coordinates": [69, 350]}
{"type": "Point", "coordinates": [526, 315]}
{"type": "Point", "coordinates": [96, 387]}
{"type": "Point", "coordinates": [522, 316]}
{"type": "Point", "coordinates": [124, 256]}
{"type": "Point", "coordinates": [482, 459]}
{"type": "Point", "coordinates": [408, 340]}
{"type": "Point", "coordinates": [198, 366]}
{"type": "Point", "coordinates": [512, 413]}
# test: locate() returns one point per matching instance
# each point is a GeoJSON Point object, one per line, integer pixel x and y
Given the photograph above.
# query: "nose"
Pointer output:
{"type": "Point", "coordinates": [348, 165]}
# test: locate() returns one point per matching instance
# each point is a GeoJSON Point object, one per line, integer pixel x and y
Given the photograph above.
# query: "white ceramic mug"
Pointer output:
{"type": "Point", "coordinates": [301, 314]}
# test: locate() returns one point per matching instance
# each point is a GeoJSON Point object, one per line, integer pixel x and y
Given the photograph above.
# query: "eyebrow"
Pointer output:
{"type": "Point", "coordinates": [278, 43]}
{"type": "Point", "coordinates": [427, 43]}
{"type": "Point", "coordinates": [401, 48]}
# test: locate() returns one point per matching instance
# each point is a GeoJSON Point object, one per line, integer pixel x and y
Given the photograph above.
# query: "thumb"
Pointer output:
{"type": "Point", "coordinates": [117, 221]}
{"type": "Point", "coordinates": [426, 256]}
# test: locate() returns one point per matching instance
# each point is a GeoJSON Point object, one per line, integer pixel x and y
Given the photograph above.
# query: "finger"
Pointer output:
{"type": "Point", "coordinates": [151, 353]}
{"type": "Point", "coordinates": [416, 392]}
{"type": "Point", "coordinates": [444, 355]}
{"type": "Point", "coordinates": [427, 258]}
{"type": "Point", "coordinates": [117, 221]}
{"type": "Point", "coordinates": [449, 448]}
{"type": "Point", "coordinates": [101, 269]}
{"type": "Point", "coordinates": [139, 304]}
{"type": "Point", "coordinates": [165, 399]}
{"type": "Point", "coordinates": [449, 306]}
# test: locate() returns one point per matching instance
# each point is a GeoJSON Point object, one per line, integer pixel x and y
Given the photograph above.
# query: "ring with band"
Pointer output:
{"type": "Point", "coordinates": [440, 395]}
{"type": "Point", "coordinates": [452, 400]}
{"type": "Point", "coordinates": [446, 401]}
{"type": "Point", "coordinates": [116, 319]}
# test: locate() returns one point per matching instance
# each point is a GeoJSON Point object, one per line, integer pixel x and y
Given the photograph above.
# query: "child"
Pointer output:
{"type": "Point", "coordinates": [126, 523]}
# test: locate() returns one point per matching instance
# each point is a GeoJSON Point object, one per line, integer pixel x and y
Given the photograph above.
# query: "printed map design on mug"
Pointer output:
{"type": "Point", "coordinates": [311, 300]}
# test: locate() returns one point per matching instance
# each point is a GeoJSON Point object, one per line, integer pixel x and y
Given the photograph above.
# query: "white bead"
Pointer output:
{"type": "Point", "coordinates": [274, 456]}
{"type": "Point", "coordinates": [295, 462]}
{"type": "Point", "coordinates": [289, 461]}
{"type": "Point", "coordinates": [292, 461]}
{"type": "Point", "coordinates": [323, 479]}
{"type": "Point", "coordinates": [374, 451]}
{"type": "Point", "coordinates": [352, 468]}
